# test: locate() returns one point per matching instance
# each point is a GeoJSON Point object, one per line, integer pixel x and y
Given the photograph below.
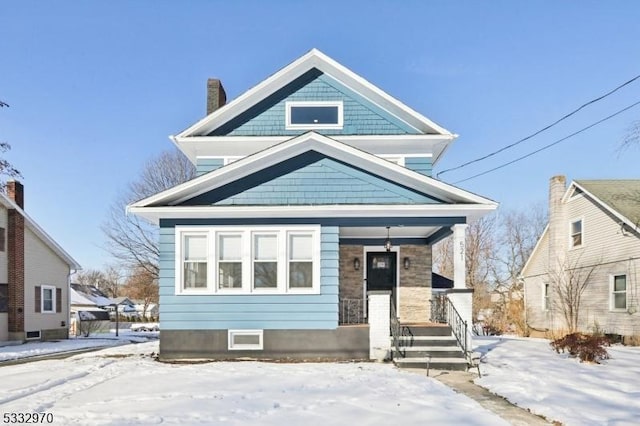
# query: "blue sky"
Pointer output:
{"type": "Point", "coordinates": [95, 88]}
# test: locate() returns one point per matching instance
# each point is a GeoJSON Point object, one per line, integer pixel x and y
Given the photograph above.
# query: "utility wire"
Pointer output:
{"type": "Point", "coordinates": [575, 111]}
{"type": "Point", "coordinates": [551, 144]}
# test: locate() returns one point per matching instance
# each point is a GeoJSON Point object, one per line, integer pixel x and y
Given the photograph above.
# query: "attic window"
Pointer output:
{"type": "Point", "coordinates": [314, 115]}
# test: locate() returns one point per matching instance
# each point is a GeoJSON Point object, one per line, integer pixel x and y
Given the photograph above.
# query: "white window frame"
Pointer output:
{"type": "Point", "coordinates": [244, 347]}
{"type": "Point", "coordinates": [278, 287]}
{"type": "Point", "coordinates": [53, 299]}
{"type": "Point", "coordinates": [179, 268]}
{"type": "Point", "coordinates": [291, 104]}
{"type": "Point", "coordinates": [582, 243]}
{"type": "Point", "coordinates": [546, 288]}
{"type": "Point", "coordinates": [247, 233]}
{"type": "Point", "coordinates": [612, 303]}
{"type": "Point", "coordinates": [215, 278]}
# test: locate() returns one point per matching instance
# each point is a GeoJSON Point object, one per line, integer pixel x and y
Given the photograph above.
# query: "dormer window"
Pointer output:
{"type": "Point", "coordinates": [314, 115]}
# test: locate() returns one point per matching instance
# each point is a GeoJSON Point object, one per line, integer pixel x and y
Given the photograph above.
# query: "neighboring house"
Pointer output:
{"type": "Point", "coordinates": [84, 309]}
{"type": "Point", "coordinates": [34, 275]}
{"type": "Point", "coordinates": [152, 309]}
{"type": "Point", "coordinates": [92, 293]}
{"type": "Point", "coordinates": [593, 238]}
{"type": "Point", "coordinates": [314, 192]}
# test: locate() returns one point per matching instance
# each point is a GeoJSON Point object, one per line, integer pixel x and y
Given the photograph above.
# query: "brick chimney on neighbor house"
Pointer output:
{"type": "Point", "coordinates": [557, 223]}
{"type": "Point", "coordinates": [15, 261]}
{"type": "Point", "coordinates": [216, 96]}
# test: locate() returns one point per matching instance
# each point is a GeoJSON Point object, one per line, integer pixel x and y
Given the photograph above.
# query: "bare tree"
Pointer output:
{"type": "Point", "coordinates": [142, 285]}
{"type": "Point", "coordinates": [479, 250]}
{"type": "Point", "coordinates": [631, 137]}
{"type": "Point", "coordinates": [568, 283]}
{"type": "Point", "coordinates": [6, 168]}
{"type": "Point", "coordinates": [107, 281]}
{"type": "Point", "coordinates": [130, 239]}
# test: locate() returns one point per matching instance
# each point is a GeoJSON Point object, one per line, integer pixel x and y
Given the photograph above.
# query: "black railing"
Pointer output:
{"type": "Point", "coordinates": [351, 311]}
{"type": "Point", "coordinates": [443, 312]}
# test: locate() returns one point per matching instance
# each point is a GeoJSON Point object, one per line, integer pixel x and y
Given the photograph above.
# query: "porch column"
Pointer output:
{"type": "Point", "coordinates": [459, 256]}
{"type": "Point", "coordinates": [379, 325]}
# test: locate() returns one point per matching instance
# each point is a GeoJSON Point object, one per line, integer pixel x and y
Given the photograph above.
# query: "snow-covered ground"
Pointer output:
{"type": "Point", "coordinates": [31, 349]}
{"type": "Point", "coordinates": [530, 374]}
{"type": "Point", "coordinates": [125, 386]}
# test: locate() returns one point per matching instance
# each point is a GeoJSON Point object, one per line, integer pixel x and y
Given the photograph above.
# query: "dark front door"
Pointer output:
{"type": "Point", "coordinates": [381, 272]}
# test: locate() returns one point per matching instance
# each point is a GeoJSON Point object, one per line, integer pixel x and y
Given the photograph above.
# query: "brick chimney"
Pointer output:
{"type": "Point", "coordinates": [557, 222]}
{"type": "Point", "coordinates": [216, 96]}
{"type": "Point", "coordinates": [15, 191]}
{"type": "Point", "coordinates": [15, 262]}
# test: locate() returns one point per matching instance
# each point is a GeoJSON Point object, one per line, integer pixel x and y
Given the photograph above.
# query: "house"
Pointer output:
{"type": "Point", "coordinates": [592, 242]}
{"type": "Point", "coordinates": [314, 193]}
{"type": "Point", "coordinates": [150, 311]}
{"type": "Point", "coordinates": [82, 311]}
{"type": "Point", "coordinates": [93, 294]}
{"type": "Point", "coordinates": [34, 275]}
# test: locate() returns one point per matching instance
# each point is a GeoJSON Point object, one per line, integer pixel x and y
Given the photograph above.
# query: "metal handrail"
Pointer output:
{"type": "Point", "coordinates": [458, 325]}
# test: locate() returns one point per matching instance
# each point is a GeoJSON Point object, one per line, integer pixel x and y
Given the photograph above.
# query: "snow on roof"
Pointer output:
{"type": "Point", "coordinates": [79, 299]}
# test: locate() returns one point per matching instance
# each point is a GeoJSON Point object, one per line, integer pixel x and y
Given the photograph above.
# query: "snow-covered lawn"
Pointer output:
{"type": "Point", "coordinates": [530, 374]}
{"type": "Point", "coordinates": [31, 349]}
{"type": "Point", "coordinates": [124, 385]}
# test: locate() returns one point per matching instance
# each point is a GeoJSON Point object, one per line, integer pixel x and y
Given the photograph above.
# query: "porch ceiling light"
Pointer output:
{"type": "Point", "coordinates": [356, 264]}
{"type": "Point", "coordinates": [387, 242]}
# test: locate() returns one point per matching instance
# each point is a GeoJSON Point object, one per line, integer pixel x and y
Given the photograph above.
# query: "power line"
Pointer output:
{"type": "Point", "coordinates": [575, 111]}
{"type": "Point", "coordinates": [551, 144]}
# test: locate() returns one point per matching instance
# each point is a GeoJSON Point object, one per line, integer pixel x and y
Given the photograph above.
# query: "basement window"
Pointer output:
{"type": "Point", "coordinates": [314, 115]}
{"type": "Point", "coordinates": [245, 340]}
{"type": "Point", "coordinates": [33, 334]}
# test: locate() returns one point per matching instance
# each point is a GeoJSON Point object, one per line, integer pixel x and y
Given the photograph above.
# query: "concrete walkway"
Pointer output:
{"type": "Point", "coordinates": [462, 382]}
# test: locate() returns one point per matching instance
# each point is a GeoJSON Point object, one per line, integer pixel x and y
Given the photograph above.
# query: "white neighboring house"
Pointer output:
{"type": "Point", "coordinates": [84, 309]}
{"type": "Point", "coordinates": [34, 275]}
{"type": "Point", "coordinates": [152, 309]}
{"type": "Point", "coordinates": [593, 232]}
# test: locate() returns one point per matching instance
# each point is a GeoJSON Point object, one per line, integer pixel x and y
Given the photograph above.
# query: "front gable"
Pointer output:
{"type": "Point", "coordinates": [359, 115]}
{"type": "Point", "coordinates": [311, 178]}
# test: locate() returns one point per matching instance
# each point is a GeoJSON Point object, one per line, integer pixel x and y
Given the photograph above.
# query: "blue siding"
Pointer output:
{"type": "Point", "coordinates": [422, 165]}
{"type": "Point", "coordinates": [212, 312]}
{"type": "Point", "coordinates": [361, 116]}
{"type": "Point", "coordinates": [206, 165]}
{"type": "Point", "coordinates": [325, 182]}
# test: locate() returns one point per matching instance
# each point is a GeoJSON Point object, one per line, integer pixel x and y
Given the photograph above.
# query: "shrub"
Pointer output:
{"type": "Point", "coordinates": [587, 347]}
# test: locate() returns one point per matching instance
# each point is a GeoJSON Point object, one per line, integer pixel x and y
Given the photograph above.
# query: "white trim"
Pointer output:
{"type": "Point", "coordinates": [245, 347]}
{"type": "Point", "coordinates": [154, 214]}
{"type": "Point", "coordinates": [582, 234]}
{"type": "Point", "coordinates": [247, 232]}
{"type": "Point", "coordinates": [292, 104]}
{"type": "Point", "coordinates": [612, 305]}
{"type": "Point", "coordinates": [318, 60]}
{"type": "Point", "coordinates": [46, 238]}
{"type": "Point", "coordinates": [371, 249]}
{"type": "Point", "coordinates": [613, 211]}
{"type": "Point", "coordinates": [535, 249]}
{"type": "Point", "coordinates": [53, 299]}
{"type": "Point", "coordinates": [324, 145]}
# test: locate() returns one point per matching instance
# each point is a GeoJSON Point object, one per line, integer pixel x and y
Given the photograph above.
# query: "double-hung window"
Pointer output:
{"type": "Point", "coordinates": [194, 261]}
{"type": "Point", "coordinates": [265, 261]}
{"type": "Point", "coordinates": [300, 258]}
{"type": "Point", "coordinates": [48, 299]}
{"type": "Point", "coordinates": [229, 260]}
{"type": "Point", "coordinates": [250, 259]}
{"type": "Point", "coordinates": [545, 296]}
{"type": "Point", "coordinates": [618, 292]}
{"type": "Point", "coordinates": [576, 233]}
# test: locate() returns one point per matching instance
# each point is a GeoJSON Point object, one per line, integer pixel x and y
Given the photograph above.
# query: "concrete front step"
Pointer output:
{"type": "Point", "coordinates": [459, 364]}
{"type": "Point", "coordinates": [425, 351]}
{"type": "Point", "coordinates": [425, 330]}
{"type": "Point", "coordinates": [427, 341]}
